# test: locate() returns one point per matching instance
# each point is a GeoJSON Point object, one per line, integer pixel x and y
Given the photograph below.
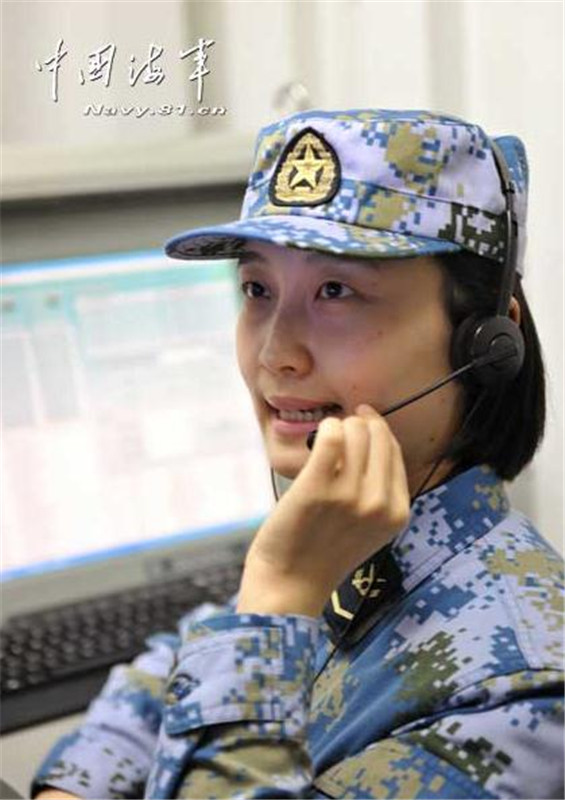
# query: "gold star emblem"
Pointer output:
{"type": "Point", "coordinates": [308, 172]}
{"type": "Point", "coordinates": [308, 169]}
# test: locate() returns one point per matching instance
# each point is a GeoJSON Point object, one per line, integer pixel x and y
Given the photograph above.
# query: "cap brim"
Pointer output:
{"type": "Point", "coordinates": [312, 233]}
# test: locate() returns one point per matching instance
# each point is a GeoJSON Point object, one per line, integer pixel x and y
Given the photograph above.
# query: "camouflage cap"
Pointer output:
{"type": "Point", "coordinates": [372, 183]}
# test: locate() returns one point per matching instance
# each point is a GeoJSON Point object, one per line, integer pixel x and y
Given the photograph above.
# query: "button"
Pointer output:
{"type": "Point", "coordinates": [181, 686]}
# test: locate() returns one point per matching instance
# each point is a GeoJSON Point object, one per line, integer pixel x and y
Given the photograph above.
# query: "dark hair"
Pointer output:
{"type": "Point", "coordinates": [508, 424]}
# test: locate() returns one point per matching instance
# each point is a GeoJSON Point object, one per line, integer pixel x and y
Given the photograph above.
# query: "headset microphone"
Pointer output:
{"type": "Point", "coordinates": [502, 352]}
{"type": "Point", "coordinates": [489, 349]}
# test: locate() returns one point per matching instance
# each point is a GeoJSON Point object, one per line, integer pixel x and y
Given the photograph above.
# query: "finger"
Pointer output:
{"type": "Point", "coordinates": [366, 410]}
{"type": "Point", "coordinates": [378, 474]}
{"type": "Point", "coordinates": [328, 450]}
{"type": "Point", "coordinates": [380, 442]}
{"type": "Point", "coordinates": [356, 446]}
{"type": "Point", "coordinates": [377, 428]}
{"type": "Point", "coordinates": [394, 501]}
{"type": "Point", "coordinates": [399, 491]}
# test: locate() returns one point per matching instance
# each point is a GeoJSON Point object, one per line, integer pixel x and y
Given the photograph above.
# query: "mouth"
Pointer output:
{"type": "Point", "coordinates": [302, 421]}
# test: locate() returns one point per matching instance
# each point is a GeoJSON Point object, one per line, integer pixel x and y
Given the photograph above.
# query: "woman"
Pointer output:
{"type": "Point", "coordinates": [396, 632]}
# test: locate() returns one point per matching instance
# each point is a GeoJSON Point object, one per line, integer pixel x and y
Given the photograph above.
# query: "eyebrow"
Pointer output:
{"type": "Point", "coordinates": [346, 262]}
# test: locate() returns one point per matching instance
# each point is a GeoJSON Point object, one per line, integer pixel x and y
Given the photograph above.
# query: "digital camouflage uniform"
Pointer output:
{"type": "Point", "coordinates": [448, 682]}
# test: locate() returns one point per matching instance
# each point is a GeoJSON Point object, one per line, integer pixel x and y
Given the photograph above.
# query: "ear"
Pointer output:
{"type": "Point", "coordinates": [514, 311]}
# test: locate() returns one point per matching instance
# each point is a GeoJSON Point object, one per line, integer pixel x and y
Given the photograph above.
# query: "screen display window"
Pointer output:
{"type": "Point", "coordinates": [125, 421]}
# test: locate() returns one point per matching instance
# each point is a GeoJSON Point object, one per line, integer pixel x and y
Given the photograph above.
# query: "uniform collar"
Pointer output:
{"type": "Point", "coordinates": [443, 521]}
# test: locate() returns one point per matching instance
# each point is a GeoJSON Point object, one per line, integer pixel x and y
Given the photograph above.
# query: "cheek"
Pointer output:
{"type": "Point", "coordinates": [245, 351]}
{"type": "Point", "coordinates": [361, 364]}
{"type": "Point", "coordinates": [356, 343]}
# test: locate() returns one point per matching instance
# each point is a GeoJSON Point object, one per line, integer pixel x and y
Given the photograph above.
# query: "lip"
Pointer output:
{"type": "Point", "coordinates": [286, 427]}
{"type": "Point", "coordinates": [295, 403]}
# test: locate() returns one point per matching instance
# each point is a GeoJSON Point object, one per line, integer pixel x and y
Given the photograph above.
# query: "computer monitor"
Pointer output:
{"type": "Point", "coordinates": [127, 430]}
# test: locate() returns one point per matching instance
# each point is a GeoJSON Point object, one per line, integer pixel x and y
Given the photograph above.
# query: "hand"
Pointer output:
{"type": "Point", "coordinates": [350, 499]}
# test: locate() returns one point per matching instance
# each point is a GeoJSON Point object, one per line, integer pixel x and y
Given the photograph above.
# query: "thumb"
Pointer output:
{"type": "Point", "coordinates": [365, 410]}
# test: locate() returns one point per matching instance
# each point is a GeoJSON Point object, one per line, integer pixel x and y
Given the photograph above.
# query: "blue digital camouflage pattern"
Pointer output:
{"type": "Point", "coordinates": [373, 183]}
{"type": "Point", "coordinates": [453, 689]}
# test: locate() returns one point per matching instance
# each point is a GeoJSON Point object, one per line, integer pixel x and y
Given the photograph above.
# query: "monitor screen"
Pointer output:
{"type": "Point", "coordinates": [125, 420]}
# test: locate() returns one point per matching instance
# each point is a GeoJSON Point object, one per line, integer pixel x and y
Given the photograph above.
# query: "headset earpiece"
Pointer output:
{"type": "Point", "coordinates": [495, 347]}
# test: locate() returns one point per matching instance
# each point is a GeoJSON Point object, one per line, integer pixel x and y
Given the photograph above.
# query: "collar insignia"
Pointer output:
{"type": "Point", "coordinates": [308, 172]}
{"type": "Point", "coordinates": [362, 599]}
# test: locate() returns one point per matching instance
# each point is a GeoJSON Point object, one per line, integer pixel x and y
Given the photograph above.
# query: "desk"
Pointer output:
{"type": "Point", "coordinates": [23, 751]}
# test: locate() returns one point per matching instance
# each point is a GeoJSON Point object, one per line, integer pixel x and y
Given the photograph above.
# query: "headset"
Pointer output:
{"type": "Point", "coordinates": [490, 350]}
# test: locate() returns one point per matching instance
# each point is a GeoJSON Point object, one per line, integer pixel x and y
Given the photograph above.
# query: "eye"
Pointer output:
{"type": "Point", "coordinates": [335, 290]}
{"type": "Point", "coordinates": [252, 289]}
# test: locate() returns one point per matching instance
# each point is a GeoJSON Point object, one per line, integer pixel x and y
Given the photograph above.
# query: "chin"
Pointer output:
{"type": "Point", "coordinates": [286, 457]}
{"type": "Point", "coordinates": [286, 464]}
{"type": "Point", "coordinates": [286, 473]}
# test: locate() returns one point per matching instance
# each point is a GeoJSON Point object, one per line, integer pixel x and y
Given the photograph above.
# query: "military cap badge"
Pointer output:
{"type": "Point", "coordinates": [308, 172]}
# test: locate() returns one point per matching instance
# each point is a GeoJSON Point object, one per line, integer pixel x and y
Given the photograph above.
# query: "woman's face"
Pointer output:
{"type": "Point", "coordinates": [320, 330]}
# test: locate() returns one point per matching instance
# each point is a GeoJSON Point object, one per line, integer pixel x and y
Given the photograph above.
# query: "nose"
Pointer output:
{"type": "Point", "coordinates": [285, 346]}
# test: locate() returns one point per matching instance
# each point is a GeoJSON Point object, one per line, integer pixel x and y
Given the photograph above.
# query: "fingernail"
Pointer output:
{"type": "Point", "coordinates": [365, 408]}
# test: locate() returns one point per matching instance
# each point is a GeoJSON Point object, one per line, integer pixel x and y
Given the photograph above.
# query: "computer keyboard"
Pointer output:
{"type": "Point", "coordinates": [54, 662]}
